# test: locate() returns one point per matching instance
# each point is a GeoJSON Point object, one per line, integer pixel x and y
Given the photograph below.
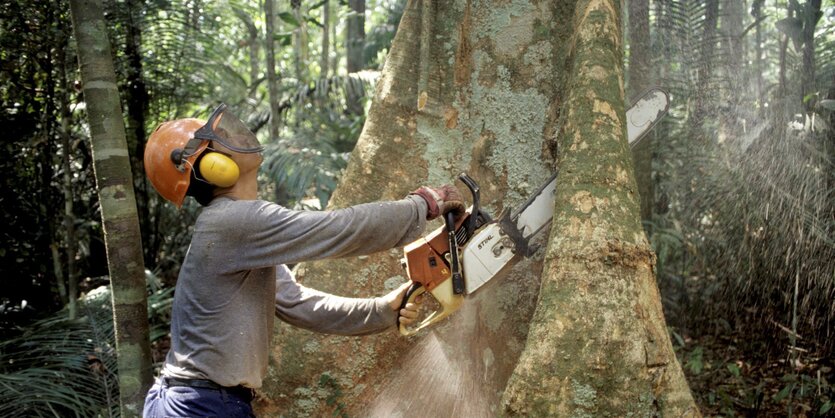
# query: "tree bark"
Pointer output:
{"type": "Point", "coordinates": [598, 344]}
{"type": "Point", "coordinates": [482, 89]}
{"type": "Point", "coordinates": [272, 77]}
{"type": "Point", "coordinates": [118, 205]}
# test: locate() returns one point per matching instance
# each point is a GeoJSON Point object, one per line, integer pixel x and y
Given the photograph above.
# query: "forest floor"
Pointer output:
{"type": "Point", "coordinates": [729, 376]}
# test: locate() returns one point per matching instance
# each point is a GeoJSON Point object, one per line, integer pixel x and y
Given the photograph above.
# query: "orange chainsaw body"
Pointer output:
{"type": "Point", "coordinates": [425, 262]}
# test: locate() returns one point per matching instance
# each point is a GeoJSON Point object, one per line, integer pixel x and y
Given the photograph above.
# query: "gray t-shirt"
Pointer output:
{"type": "Point", "coordinates": [234, 279]}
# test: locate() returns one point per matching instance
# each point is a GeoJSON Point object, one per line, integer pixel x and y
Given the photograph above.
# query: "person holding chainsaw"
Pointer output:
{"type": "Point", "coordinates": [234, 278]}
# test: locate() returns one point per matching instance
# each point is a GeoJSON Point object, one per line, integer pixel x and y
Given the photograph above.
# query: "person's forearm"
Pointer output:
{"type": "Point", "coordinates": [326, 313]}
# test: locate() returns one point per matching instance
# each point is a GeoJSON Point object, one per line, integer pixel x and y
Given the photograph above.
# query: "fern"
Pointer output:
{"type": "Point", "coordinates": [62, 367]}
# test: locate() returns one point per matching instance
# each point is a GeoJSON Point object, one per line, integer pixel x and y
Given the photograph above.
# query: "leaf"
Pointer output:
{"type": "Point", "coordinates": [784, 393]}
{"type": "Point", "coordinates": [694, 362]}
{"type": "Point", "coordinates": [288, 18]}
{"type": "Point", "coordinates": [734, 369]}
{"type": "Point", "coordinates": [678, 338]}
{"type": "Point", "coordinates": [827, 104]}
{"type": "Point", "coordinates": [284, 38]}
{"type": "Point", "coordinates": [825, 408]}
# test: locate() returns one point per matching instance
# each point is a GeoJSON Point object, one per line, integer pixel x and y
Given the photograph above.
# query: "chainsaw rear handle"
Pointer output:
{"type": "Point", "coordinates": [449, 302]}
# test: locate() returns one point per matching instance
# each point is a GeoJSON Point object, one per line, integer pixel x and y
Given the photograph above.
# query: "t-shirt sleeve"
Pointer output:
{"type": "Point", "coordinates": [268, 234]}
{"type": "Point", "coordinates": [322, 312]}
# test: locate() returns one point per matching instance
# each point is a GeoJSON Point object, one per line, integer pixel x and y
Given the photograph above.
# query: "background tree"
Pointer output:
{"type": "Point", "coordinates": [118, 206]}
{"type": "Point", "coordinates": [639, 78]}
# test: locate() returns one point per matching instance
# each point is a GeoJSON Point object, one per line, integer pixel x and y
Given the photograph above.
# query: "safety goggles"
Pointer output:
{"type": "Point", "coordinates": [226, 129]}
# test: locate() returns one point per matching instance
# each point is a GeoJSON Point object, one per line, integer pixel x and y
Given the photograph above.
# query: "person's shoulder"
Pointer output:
{"type": "Point", "coordinates": [254, 209]}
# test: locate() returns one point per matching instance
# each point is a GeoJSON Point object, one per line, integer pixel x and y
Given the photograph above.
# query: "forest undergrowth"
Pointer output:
{"type": "Point", "coordinates": [730, 377]}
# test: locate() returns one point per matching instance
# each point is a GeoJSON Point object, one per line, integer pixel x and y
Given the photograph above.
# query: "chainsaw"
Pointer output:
{"type": "Point", "coordinates": [458, 258]}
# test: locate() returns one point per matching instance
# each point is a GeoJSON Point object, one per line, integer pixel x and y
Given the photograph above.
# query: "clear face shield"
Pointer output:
{"type": "Point", "coordinates": [225, 128]}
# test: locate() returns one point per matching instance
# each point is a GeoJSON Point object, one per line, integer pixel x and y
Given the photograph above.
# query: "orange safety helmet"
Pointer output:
{"type": "Point", "coordinates": [164, 147]}
{"type": "Point", "coordinates": [175, 146]}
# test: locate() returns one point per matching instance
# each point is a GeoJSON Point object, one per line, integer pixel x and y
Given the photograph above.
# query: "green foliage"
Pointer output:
{"type": "Point", "coordinates": [694, 361]}
{"type": "Point", "coordinates": [729, 385]}
{"type": "Point", "coordinates": [320, 133]}
{"type": "Point", "coordinates": [63, 367]}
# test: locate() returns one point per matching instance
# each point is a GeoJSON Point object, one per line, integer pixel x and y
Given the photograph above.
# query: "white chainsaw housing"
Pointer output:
{"type": "Point", "coordinates": [487, 252]}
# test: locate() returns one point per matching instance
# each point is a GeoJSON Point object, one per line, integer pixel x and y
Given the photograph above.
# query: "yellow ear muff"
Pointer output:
{"type": "Point", "coordinates": [219, 169]}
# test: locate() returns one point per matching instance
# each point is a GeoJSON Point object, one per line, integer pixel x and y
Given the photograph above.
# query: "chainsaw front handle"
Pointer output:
{"type": "Point", "coordinates": [449, 302]}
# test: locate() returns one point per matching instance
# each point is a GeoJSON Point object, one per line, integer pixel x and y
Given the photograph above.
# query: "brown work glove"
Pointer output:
{"type": "Point", "coordinates": [441, 200]}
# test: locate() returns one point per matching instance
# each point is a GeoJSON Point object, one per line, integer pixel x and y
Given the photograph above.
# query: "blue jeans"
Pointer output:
{"type": "Point", "coordinates": [166, 401]}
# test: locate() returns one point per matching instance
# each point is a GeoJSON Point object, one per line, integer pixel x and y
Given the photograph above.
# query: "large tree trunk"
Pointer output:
{"type": "Point", "coordinates": [482, 89]}
{"type": "Point", "coordinates": [118, 205]}
{"type": "Point", "coordinates": [598, 343]}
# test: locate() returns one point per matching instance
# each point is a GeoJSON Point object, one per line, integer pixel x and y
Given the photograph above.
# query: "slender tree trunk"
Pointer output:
{"type": "Point", "coordinates": [118, 205]}
{"type": "Point", "coordinates": [483, 89]}
{"type": "Point", "coordinates": [299, 43]}
{"type": "Point", "coordinates": [324, 61]}
{"type": "Point", "coordinates": [51, 238]}
{"type": "Point", "coordinates": [640, 79]}
{"type": "Point", "coordinates": [784, 45]}
{"type": "Point", "coordinates": [811, 15]}
{"type": "Point", "coordinates": [335, 46]}
{"type": "Point", "coordinates": [705, 63]}
{"type": "Point", "coordinates": [355, 36]}
{"type": "Point", "coordinates": [272, 77]}
{"type": "Point", "coordinates": [733, 13]}
{"type": "Point", "coordinates": [757, 13]}
{"type": "Point", "coordinates": [252, 42]}
{"type": "Point", "coordinates": [69, 214]}
{"type": "Point", "coordinates": [354, 47]}
{"type": "Point", "coordinates": [137, 106]}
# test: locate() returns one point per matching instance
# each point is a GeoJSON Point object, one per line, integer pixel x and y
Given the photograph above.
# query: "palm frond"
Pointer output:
{"type": "Point", "coordinates": [63, 367]}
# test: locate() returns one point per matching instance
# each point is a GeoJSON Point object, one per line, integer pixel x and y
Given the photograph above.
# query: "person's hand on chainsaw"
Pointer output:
{"type": "Point", "coordinates": [441, 200]}
{"type": "Point", "coordinates": [409, 313]}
